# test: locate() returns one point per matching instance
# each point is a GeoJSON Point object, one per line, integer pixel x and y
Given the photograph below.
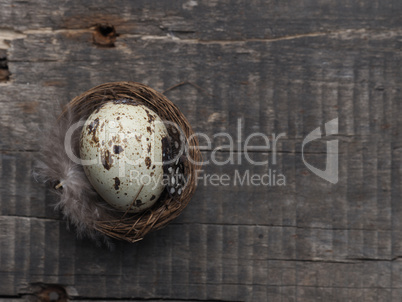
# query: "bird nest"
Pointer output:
{"type": "Point", "coordinates": [119, 225]}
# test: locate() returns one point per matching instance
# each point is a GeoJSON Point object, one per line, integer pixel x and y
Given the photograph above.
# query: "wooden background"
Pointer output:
{"type": "Point", "coordinates": [278, 66]}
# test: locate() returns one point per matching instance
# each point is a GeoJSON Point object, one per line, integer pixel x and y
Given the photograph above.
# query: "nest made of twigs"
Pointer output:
{"type": "Point", "coordinates": [133, 227]}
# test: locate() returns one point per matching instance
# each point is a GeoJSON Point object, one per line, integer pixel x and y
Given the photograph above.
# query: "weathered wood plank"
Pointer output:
{"type": "Point", "coordinates": [278, 67]}
{"type": "Point", "coordinates": [255, 81]}
{"type": "Point", "coordinates": [319, 236]}
{"type": "Point", "coordinates": [125, 272]}
{"type": "Point", "coordinates": [207, 20]}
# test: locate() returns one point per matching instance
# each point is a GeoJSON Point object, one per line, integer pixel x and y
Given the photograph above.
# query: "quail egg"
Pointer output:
{"type": "Point", "coordinates": [121, 145]}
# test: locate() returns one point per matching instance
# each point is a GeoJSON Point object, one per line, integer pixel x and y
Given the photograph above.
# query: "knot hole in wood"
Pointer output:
{"type": "Point", "coordinates": [52, 293]}
{"type": "Point", "coordinates": [104, 35]}
{"type": "Point", "coordinates": [4, 72]}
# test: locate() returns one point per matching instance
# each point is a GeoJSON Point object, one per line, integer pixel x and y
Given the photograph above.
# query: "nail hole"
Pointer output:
{"type": "Point", "coordinates": [105, 35]}
{"type": "Point", "coordinates": [4, 72]}
{"type": "Point", "coordinates": [52, 293]}
{"type": "Point", "coordinates": [106, 30]}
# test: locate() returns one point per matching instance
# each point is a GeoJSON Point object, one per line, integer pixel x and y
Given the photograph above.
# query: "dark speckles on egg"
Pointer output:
{"type": "Point", "coordinates": [138, 203]}
{"type": "Point", "coordinates": [116, 183]}
{"type": "Point", "coordinates": [149, 130]}
{"type": "Point", "coordinates": [138, 138]}
{"type": "Point", "coordinates": [106, 159]}
{"type": "Point", "coordinates": [117, 149]}
{"type": "Point", "coordinates": [91, 128]}
{"type": "Point", "coordinates": [151, 117]}
{"type": "Point", "coordinates": [149, 147]}
{"type": "Point", "coordinates": [153, 197]}
{"type": "Point", "coordinates": [148, 162]}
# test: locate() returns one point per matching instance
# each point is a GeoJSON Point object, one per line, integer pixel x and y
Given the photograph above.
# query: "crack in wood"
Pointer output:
{"type": "Point", "coordinates": [342, 34]}
{"type": "Point", "coordinates": [7, 35]}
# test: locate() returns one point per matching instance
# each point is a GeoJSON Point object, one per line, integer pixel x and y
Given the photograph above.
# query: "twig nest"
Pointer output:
{"type": "Point", "coordinates": [129, 165]}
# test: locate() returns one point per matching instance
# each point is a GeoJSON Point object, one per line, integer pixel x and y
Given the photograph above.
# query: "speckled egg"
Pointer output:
{"type": "Point", "coordinates": [121, 146]}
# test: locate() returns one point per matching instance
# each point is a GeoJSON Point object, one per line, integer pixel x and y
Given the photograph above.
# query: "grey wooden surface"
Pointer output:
{"type": "Point", "coordinates": [279, 67]}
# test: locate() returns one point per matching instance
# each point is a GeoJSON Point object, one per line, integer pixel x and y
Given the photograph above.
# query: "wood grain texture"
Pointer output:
{"type": "Point", "coordinates": [276, 67]}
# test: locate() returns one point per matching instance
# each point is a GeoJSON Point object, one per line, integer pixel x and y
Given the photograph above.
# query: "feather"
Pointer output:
{"type": "Point", "coordinates": [79, 203]}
